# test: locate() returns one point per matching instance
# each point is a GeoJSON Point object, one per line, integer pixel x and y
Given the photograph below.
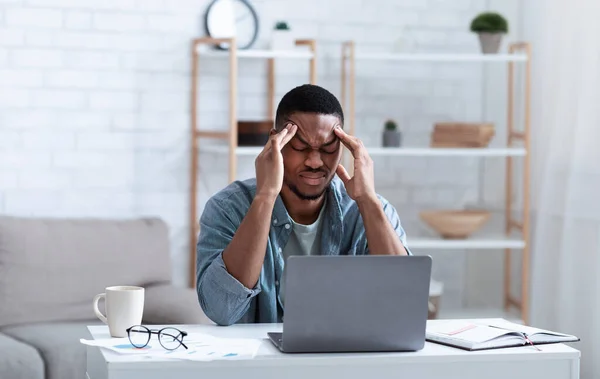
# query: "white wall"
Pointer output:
{"type": "Point", "coordinates": [94, 105]}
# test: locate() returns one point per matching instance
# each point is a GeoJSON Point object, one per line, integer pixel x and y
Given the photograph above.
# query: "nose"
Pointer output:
{"type": "Point", "coordinates": [313, 160]}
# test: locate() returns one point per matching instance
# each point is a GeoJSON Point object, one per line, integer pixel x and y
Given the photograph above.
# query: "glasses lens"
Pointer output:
{"type": "Point", "coordinates": [170, 338]}
{"type": "Point", "coordinates": [139, 336]}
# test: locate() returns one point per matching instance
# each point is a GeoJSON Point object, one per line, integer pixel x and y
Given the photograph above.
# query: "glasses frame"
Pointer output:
{"type": "Point", "coordinates": [158, 332]}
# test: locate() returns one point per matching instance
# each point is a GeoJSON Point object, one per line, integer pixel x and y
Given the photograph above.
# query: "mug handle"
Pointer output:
{"type": "Point", "coordinates": [96, 310]}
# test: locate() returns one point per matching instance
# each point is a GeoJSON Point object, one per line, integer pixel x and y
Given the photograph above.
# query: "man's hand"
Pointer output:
{"type": "Point", "coordinates": [269, 163]}
{"type": "Point", "coordinates": [360, 187]}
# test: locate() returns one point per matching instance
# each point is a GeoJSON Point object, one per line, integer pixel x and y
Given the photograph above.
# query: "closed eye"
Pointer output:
{"type": "Point", "coordinates": [330, 150]}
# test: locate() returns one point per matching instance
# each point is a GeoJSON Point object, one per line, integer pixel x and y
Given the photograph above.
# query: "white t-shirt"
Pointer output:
{"type": "Point", "coordinates": [304, 240]}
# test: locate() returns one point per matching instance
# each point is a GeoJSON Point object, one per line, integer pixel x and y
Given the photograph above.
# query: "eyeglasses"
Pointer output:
{"type": "Point", "coordinates": [170, 338]}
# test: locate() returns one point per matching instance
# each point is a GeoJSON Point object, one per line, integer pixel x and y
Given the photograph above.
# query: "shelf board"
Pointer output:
{"type": "Point", "coordinates": [395, 151]}
{"type": "Point", "coordinates": [446, 152]}
{"type": "Point", "coordinates": [220, 149]}
{"type": "Point", "coordinates": [259, 54]}
{"type": "Point", "coordinates": [480, 243]}
{"type": "Point", "coordinates": [441, 57]}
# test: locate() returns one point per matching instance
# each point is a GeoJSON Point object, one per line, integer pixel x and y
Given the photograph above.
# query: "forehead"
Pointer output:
{"type": "Point", "coordinates": [315, 128]}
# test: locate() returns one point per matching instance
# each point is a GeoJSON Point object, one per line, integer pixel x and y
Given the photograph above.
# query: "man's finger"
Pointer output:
{"type": "Point", "coordinates": [279, 139]}
{"type": "Point", "coordinates": [350, 142]}
{"type": "Point", "coordinates": [288, 136]}
{"type": "Point", "coordinates": [274, 145]}
{"type": "Point", "coordinates": [342, 173]}
{"type": "Point", "coordinates": [282, 133]}
{"type": "Point", "coordinates": [268, 144]}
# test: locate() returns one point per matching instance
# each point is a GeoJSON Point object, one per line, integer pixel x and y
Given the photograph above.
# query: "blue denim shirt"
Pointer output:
{"type": "Point", "coordinates": [222, 297]}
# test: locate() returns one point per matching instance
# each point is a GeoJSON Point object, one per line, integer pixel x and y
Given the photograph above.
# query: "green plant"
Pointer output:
{"type": "Point", "coordinates": [282, 25]}
{"type": "Point", "coordinates": [489, 22]}
{"type": "Point", "coordinates": [390, 125]}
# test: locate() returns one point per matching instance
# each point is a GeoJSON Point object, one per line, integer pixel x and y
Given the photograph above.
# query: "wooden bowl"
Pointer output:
{"type": "Point", "coordinates": [455, 224]}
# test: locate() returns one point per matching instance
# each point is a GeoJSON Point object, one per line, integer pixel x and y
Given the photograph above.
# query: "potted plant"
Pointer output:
{"type": "Point", "coordinates": [490, 27]}
{"type": "Point", "coordinates": [281, 37]}
{"type": "Point", "coordinates": [391, 134]}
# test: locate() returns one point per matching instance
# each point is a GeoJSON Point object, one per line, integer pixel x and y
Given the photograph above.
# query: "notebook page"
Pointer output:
{"type": "Point", "coordinates": [458, 329]}
{"type": "Point", "coordinates": [524, 329]}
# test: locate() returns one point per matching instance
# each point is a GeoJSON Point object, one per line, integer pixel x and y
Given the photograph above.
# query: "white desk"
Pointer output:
{"type": "Point", "coordinates": [556, 361]}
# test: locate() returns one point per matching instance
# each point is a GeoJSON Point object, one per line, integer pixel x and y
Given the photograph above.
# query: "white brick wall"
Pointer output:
{"type": "Point", "coordinates": [36, 18]}
{"type": "Point", "coordinates": [94, 103]}
{"type": "Point", "coordinates": [37, 58]}
{"type": "Point", "coordinates": [78, 19]}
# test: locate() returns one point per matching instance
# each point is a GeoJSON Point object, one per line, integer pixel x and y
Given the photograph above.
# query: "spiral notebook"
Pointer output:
{"type": "Point", "coordinates": [490, 334]}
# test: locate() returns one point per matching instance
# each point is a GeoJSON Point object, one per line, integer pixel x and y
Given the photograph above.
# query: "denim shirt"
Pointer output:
{"type": "Point", "coordinates": [222, 297]}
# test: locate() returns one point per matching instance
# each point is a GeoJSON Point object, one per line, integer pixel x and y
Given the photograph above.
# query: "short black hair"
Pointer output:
{"type": "Point", "coordinates": [307, 98]}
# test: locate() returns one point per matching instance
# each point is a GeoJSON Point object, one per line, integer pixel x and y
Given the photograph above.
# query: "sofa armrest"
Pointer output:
{"type": "Point", "coordinates": [168, 304]}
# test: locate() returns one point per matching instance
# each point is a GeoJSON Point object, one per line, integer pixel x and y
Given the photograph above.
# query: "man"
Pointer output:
{"type": "Point", "coordinates": [295, 205]}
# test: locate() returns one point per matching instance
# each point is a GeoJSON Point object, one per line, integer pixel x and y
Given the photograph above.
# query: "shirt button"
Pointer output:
{"type": "Point", "coordinates": [275, 221]}
{"type": "Point", "coordinates": [277, 282]}
{"type": "Point", "coordinates": [287, 226]}
{"type": "Point", "coordinates": [279, 250]}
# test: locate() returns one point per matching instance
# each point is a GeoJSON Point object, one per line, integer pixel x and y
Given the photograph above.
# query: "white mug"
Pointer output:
{"type": "Point", "coordinates": [124, 308]}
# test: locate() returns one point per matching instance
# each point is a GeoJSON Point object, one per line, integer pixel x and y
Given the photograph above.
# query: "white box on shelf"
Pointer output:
{"type": "Point", "coordinates": [282, 40]}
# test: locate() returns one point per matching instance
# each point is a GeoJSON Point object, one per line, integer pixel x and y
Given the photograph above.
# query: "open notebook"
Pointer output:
{"type": "Point", "coordinates": [490, 334]}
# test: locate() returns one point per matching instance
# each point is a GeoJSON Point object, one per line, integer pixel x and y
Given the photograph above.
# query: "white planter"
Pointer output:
{"type": "Point", "coordinates": [282, 40]}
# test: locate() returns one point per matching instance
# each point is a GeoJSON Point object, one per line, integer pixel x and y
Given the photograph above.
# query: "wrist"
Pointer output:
{"type": "Point", "coordinates": [368, 202]}
{"type": "Point", "coordinates": [265, 198]}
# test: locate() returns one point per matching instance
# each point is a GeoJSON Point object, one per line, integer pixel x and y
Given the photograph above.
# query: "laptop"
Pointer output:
{"type": "Point", "coordinates": [370, 303]}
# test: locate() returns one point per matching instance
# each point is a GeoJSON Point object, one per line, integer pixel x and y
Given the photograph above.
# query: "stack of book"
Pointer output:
{"type": "Point", "coordinates": [461, 134]}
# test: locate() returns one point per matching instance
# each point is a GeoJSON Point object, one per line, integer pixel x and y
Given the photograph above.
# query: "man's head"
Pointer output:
{"type": "Point", "coordinates": [311, 158]}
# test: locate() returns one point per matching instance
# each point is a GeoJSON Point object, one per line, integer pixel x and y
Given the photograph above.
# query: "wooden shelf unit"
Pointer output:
{"type": "Point", "coordinates": [201, 47]}
{"type": "Point", "coordinates": [518, 53]}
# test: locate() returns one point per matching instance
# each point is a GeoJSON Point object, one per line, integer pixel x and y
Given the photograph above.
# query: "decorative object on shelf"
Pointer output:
{"type": "Point", "coordinates": [232, 19]}
{"type": "Point", "coordinates": [391, 135]}
{"type": "Point", "coordinates": [462, 134]}
{"type": "Point", "coordinates": [490, 27]}
{"type": "Point", "coordinates": [435, 293]}
{"type": "Point", "coordinates": [455, 224]}
{"type": "Point", "coordinates": [282, 37]}
{"type": "Point", "coordinates": [254, 133]}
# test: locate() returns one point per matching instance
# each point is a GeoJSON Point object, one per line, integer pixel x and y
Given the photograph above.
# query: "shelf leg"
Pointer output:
{"type": "Point", "coordinates": [233, 132]}
{"type": "Point", "coordinates": [509, 184]}
{"type": "Point", "coordinates": [313, 62]}
{"type": "Point", "coordinates": [193, 224]}
{"type": "Point", "coordinates": [271, 89]}
{"type": "Point", "coordinates": [352, 96]}
{"type": "Point", "coordinates": [343, 78]}
{"type": "Point", "coordinates": [526, 189]}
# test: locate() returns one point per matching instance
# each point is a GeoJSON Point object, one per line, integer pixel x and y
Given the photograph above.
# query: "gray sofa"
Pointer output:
{"type": "Point", "coordinates": [50, 270]}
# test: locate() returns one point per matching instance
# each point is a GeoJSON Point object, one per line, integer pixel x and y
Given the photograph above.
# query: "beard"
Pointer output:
{"type": "Point", "coordinates": [305, 196]}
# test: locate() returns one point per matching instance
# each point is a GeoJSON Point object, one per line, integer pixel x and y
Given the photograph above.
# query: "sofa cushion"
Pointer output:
{"type": "Point", "coordinates": [50, 269]}
{"type": "Point", "coordinates": [19, 360]}
{"type": "Point", "coordinates": [167, 304]}
{"type": "Point", "coordinates": [58, 343]}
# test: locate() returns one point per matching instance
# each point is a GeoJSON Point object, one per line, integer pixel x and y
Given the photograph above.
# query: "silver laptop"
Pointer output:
{"type": "Point", "coordinates": [354, 304]}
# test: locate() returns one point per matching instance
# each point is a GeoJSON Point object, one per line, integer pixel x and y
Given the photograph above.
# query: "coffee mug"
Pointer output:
{"type": "Point", "coordinates": [124, 308]}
